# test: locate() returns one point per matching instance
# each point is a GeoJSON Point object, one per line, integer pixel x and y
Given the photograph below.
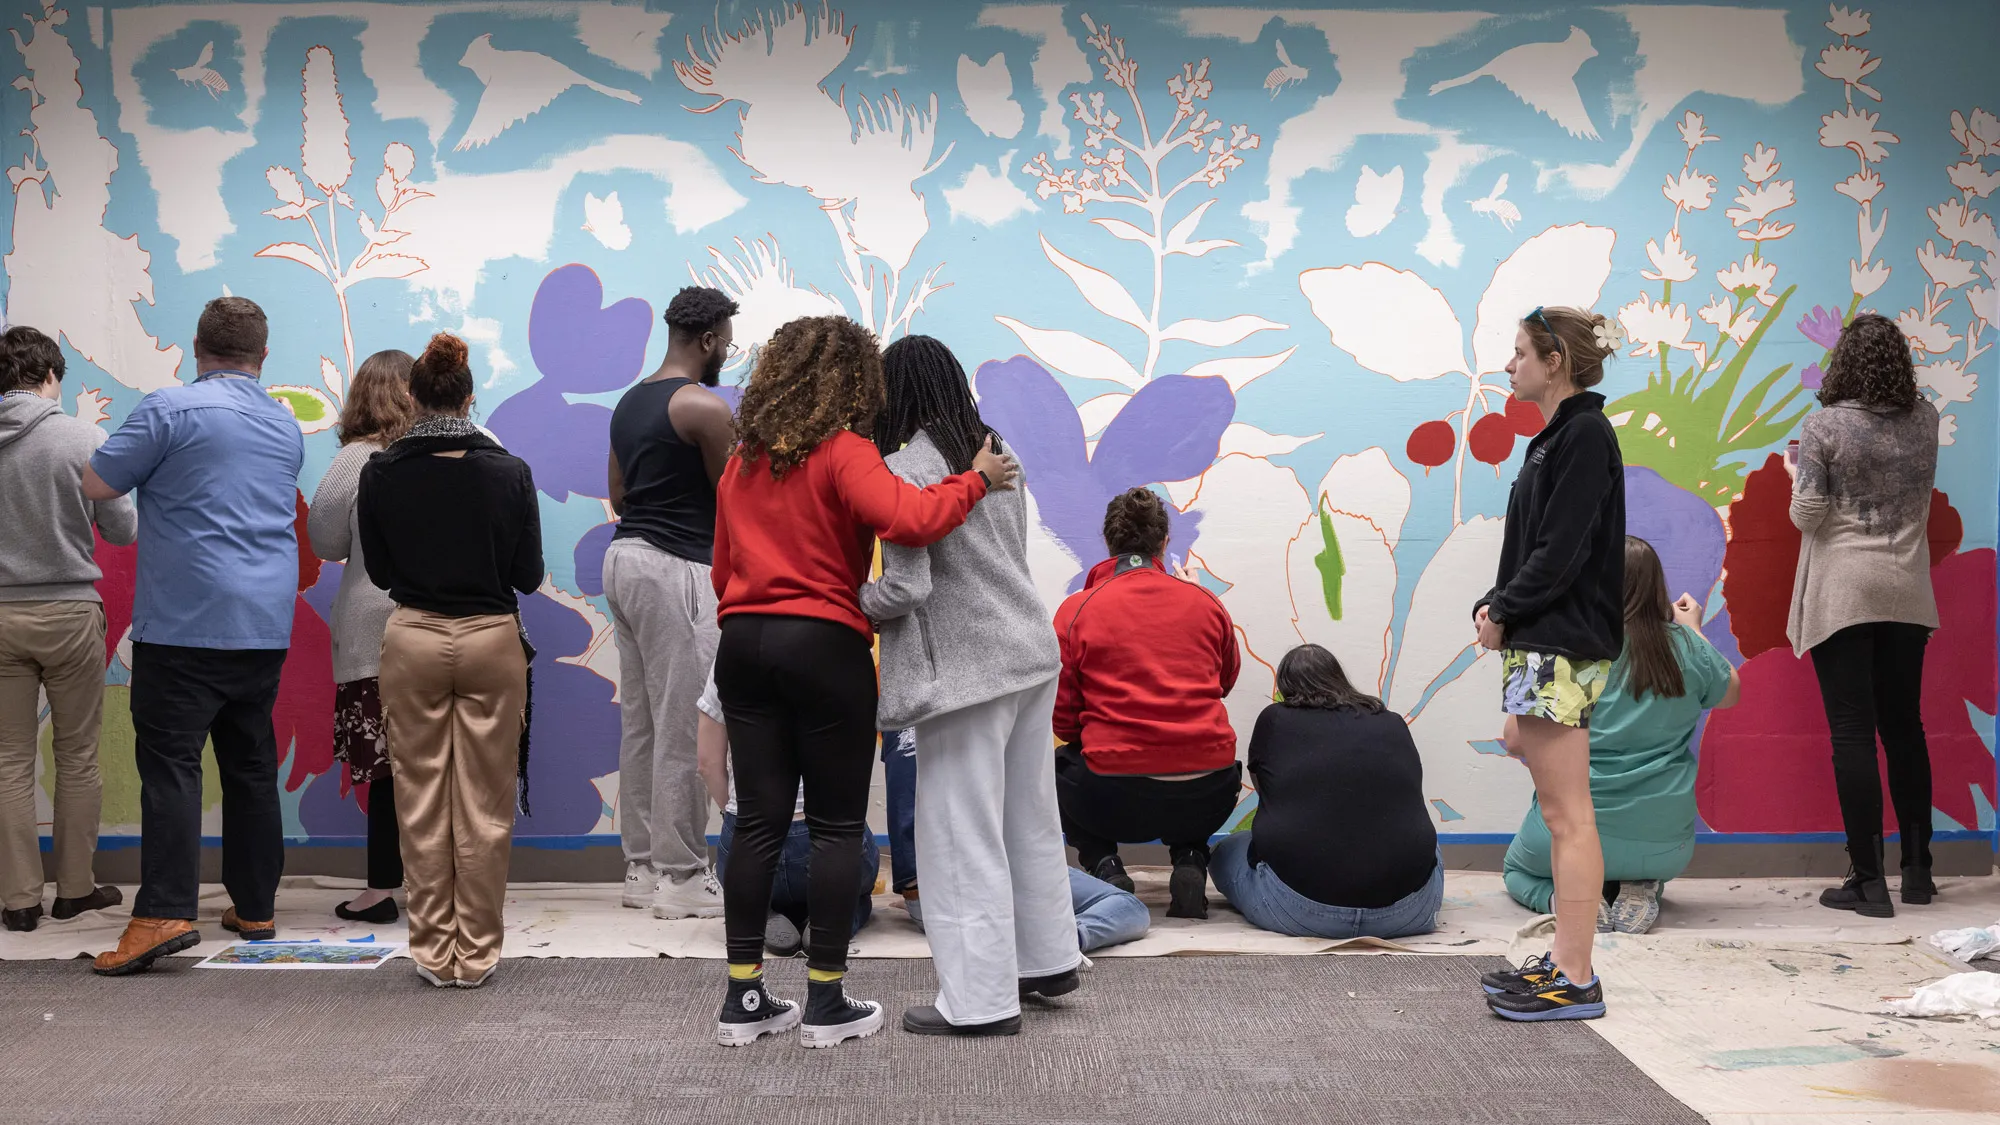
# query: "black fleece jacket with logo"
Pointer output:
{"type": "Point", "coordinates": [1561, 586]}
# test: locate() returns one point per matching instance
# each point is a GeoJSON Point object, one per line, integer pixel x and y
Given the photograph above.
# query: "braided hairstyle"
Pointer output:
{"type": "Point", "coordinates": [440, 379]}
{"type": "Point", "coordinates": [927, 391]}
{"type": "Point", "coordinates": [1871, 365]}
{"type": "Point", "coordinates": [1135, 523]}
{"type": "Point", "coordinates": [819, 375]}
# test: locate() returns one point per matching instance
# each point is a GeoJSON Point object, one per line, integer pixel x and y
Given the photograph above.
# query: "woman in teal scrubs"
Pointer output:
{"type": "Point", "coordinates": [1642, 763]}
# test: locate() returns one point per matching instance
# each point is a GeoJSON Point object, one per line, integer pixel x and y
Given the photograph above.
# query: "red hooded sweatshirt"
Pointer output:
{"type": "Point", "coordinates": [1146, 660]}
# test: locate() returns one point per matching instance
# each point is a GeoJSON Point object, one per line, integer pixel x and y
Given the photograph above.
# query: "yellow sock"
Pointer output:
{"type": "Point", "coordinates": [751, 971]}
{"type": "Point", "coordinates": [821, 976]}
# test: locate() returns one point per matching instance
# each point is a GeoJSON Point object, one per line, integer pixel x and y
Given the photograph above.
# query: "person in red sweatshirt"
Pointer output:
{"type": "Point", "coordinates": [1148, 751]}
{"type": "Point", "coordinates": [797, 512]}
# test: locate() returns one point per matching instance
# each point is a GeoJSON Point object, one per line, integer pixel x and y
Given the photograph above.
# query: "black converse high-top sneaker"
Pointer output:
{"type": "Point", "coordinates": [833, 1018]}
{"type": "Point", "coordinates": [751, 1012]}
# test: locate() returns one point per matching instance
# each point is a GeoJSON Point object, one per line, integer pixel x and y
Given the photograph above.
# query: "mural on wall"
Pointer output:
{"type": "Point", "coordinates": [1267, 262]}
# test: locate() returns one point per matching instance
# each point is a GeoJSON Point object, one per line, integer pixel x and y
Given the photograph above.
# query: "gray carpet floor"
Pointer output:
{"type": "Point", "coordinates": [1263, 1040]}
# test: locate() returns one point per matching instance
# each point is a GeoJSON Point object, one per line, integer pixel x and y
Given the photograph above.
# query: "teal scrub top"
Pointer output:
{"type": "Point", "coordinates": [1642, 767]}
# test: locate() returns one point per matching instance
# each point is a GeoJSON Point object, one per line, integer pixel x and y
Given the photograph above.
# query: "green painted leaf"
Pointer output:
{"type": "Point", "coordinates": [304, 407]}
{"type": "Point", "coordinates": [1332, 568]}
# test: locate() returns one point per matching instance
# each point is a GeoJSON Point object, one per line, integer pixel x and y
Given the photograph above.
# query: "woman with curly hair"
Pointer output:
{"type": "Point", "coordinates": [1862, 601]}
{"type": "Point", "coordinates": [1556, 615]}
{"type": "Point", "coordinates": [797, 513]}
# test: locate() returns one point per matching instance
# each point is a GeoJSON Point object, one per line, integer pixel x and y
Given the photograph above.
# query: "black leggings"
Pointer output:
{"type": "Point", "coordinates": [799, 694]}
{"type": "Point", "coordinates": [1871, 678]}
{"type": "Point", "coordinates": [385, 843]}
{"type": "Point", "coordinates": [1100, 811]}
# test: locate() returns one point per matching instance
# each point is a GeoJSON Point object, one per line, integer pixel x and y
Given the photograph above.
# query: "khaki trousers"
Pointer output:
{"type": "Point", "coordinates": [452, 693]}
{"type": "Point", "coordinates": [57, 647]}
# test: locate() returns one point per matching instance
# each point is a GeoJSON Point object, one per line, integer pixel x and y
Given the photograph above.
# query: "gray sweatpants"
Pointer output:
{"type": "Point", "coordinates": [990, 854]}
{"type": "Point", "coordinates": [663, 607]}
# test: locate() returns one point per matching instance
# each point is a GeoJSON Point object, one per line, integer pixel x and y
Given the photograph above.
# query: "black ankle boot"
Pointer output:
{"type": "Point", "coordinates": [1866, 896]}
{"type": "Point", "coordinates": [1918, 889]}
{"type": "Point", "coordinates": [1187, 890]}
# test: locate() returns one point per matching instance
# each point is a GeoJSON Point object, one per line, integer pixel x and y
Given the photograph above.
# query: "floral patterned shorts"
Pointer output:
{"type": "Point", "coordinates": [1546, 686]}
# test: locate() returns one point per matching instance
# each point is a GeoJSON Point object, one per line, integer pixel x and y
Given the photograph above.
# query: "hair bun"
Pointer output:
{"type": "Point", "coordinates": [445, 352]}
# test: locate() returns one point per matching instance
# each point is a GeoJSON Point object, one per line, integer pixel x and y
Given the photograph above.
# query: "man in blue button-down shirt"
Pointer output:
{"type": "Point", "coordinates": [216, 465]}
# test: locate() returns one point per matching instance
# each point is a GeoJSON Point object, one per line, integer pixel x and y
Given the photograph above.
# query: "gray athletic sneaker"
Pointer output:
{"type": "Point", "coordinates": [1637, 907]}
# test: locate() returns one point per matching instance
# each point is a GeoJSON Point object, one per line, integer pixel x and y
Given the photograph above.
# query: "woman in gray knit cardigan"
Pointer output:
{"type": "Point", "coordinates": [1862, 601]}
{"type": "Point", "coordinates": [970, 660]}
{"type": "Point", "coordinates": [376, 413]}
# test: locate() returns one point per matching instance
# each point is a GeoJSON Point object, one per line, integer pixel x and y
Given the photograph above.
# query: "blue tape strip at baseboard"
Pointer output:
{"type": "Point", "coordinates": [578, 843]}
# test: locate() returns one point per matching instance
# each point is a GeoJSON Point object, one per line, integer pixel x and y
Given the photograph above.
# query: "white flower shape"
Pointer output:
{"type": "Point", "coordinates": [1949, 379]}
{"type": "Point", "coordinates": [1947, 428]}
{"type": "Point", "coordinates": [1760, 204]}
{"type": "Point", "coordinates": [1860, 187]}
{"type": "Point", "coordinates": [1610, 337]}
{"type": "Point", "coordinates": [1689, 190]}
{"type": "Point", "coordinates": [1866, 279]}
{"type": "Point", "coordinates": [1752, 273]}
{"type": "Point", "coordinates": [1945, 269]}
{"type": "Point", "coordinates": [1979, 136]}
{"type": "Point", "coordinates": [1670, 262]}
{"type": "Point", "coordinates": [1846, 23]}
{"type": "Point", "coordinates": [1970, 177]}
{"type": "Point", "coordinates": [1654, 325]}
{"type": "Point", "coordinates": [1965, 226]}
{"type": "Point", "coordinates": [1855, 128]}
{"type": "Point", "coordinates": [1693, 134]}
{"type": "Point", "coordinates": [92, 406]}
{"type": "Point", "coordinates": [1850, 65]}
{"type": "Point", "coordinates": [1926, 335]}
{"type": "Point", "coordinates": [1760, 164]}
{"type": "Point", "coordinates": [1735, 323]}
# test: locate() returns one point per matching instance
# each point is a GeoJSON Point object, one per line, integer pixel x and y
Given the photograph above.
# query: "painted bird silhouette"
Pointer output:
{"type": "Point", "coordinates": [1544, 76]}
{"type": "Point", "coordinates": [1287, 73]}
{"type": "Point", "coordinates": [200, 73]}
{"type": "Point", "coordinates": [518, 85]}
{"type": "Point", "coordinates": [1501, 209]}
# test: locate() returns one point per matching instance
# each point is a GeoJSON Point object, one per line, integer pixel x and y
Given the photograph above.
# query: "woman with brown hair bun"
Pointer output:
{"type": "Point", "coordinates": [1862, 603]}
{"type": "Point", "coordinates": [797, 512]}
{"type": "Point", "coordinates": [376, 413]}
{"type": "Point", "coordinates": [450, 527]}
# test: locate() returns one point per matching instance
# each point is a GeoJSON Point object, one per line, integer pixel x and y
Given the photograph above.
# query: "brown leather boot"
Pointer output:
{"type": "Point", "coordinates": [145, 941]}
{"type": "Point", "coordinates": [251, 931]}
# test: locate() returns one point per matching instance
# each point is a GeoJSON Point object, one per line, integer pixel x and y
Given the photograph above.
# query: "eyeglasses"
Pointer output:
{"type": "Point", "coordinates": [1538, 318]}
{"type": "Point", "coordinates": [732, 351]}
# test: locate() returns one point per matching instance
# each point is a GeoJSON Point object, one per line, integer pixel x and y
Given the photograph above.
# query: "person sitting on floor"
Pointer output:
{"type": "Point", "coordinates": [1148, 751]}
{"type": "Point", "coordinates": [1342, 845]}
{"type": "Point", "coordinates": [784, 930]}
{"type": "Point", "coordinates": [1642, 763]}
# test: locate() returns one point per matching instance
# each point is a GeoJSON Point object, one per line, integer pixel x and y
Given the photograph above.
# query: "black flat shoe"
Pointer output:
{"type": "Point", "coordinates": [23, 920]}
{"type": "Point", "coordinates": [103, 898]}
{"type": "Point", "coordinates": [1055, 984]}
{"type": "Point", "coordinates": [380, 914]}
{"type": "Point", "coordinates": [928, 1021]}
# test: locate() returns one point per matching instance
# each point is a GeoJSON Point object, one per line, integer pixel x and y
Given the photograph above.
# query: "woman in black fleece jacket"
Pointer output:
{"type": "Point", "coordinates": [1556, 614]}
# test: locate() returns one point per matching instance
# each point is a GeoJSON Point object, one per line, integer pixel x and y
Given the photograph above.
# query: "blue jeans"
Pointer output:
{"type": "Point", "coordinates": [899, 783]}
{"type": "Point", "coordinates": [1105, 915]}
{"type": "Point", "coordinates": [788, 885]}
{"type": "Point", "coordinates": [1269, 904]}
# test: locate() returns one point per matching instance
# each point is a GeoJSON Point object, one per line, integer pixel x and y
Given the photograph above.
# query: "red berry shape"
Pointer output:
{"type": "Point", "coordinates": [1430, 444]}
{"type": "Point", "coordinates": [1492, 439]}
{"type": "Point", "coordinates": [1524, 417]}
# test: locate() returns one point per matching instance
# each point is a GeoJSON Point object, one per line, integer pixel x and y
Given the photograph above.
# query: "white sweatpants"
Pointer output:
{"type": "Point", "coordinates": [990, 860]}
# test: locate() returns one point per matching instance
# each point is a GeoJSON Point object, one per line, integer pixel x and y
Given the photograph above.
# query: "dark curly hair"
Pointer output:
{"type": "Point", "coordinates": [26, 358]}
{"type": "Point", "coordinates": [1870, 365]}
{"type": "Point", "coordinates": [698, 309]}
{"type": "Point", "coordinates": [819, 375]}
{"type": "Point", "coordinates": [1311, 677]}
{"type": "Point", "coordinates": [1135, 523]}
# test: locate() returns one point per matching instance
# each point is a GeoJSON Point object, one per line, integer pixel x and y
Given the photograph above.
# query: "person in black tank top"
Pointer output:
{"type": "Point", "coordinates": [670, 438]}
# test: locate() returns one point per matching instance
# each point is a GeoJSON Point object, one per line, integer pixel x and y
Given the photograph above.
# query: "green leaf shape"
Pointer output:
{"type": "Point", "coordinates": [1332, 568]}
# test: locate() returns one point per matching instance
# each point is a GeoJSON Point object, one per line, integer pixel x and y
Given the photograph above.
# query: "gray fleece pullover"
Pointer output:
{"type": "Point", "coordinates": [961, 621]}
{"type": "Point", "coordinates": [47, 553]}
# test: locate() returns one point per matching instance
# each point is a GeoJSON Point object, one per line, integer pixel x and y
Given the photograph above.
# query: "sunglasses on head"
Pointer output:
{"type": "Point", "coordinates": [1538, 318]}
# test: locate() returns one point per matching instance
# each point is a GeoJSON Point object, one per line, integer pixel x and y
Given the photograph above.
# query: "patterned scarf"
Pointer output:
{"type": "Point", "coordinates": [441, 426]}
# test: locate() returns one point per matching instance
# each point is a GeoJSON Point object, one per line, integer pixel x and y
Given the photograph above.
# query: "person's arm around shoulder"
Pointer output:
{"type": "Point", "coordinates": [900, 512]}
{"type": "Point", "coordinates": [525, 574]}
{"type": "Point", "coordinates": [905, 584]}
{"type": "Point", "coordinates": [1811, 495]}
{"type": "Point", "coordinates": [701, 417]}
{"type": "Point", "coordinates": [1581, 464]}
{"type": "Point", "coordinates": [127, 458]}
{"type": "Point", "coordinates": [117, 519]}
{"type": "Point", "coordinates": [327, 524]}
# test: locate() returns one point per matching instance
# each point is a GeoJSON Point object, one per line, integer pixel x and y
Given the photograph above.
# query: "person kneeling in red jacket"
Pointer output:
{"type": "Point", "coordinates": [1148, 751]}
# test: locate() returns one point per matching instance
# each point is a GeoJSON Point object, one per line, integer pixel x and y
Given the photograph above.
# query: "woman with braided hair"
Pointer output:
{"type": "Point", "coordinates": [798, 508]}
{"type": "Point", "coordinates": [970, 661]}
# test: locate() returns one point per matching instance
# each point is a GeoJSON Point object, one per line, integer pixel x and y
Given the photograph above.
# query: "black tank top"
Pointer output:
{"type": "Point", "coordinates": [669, 500]}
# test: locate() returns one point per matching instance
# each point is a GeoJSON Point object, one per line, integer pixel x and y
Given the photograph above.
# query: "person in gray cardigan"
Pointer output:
{"type": "Point", "coordinates": [51, 630]}
{"type": "Point", "coordinates": [969, 659]}
{"type": "Point", "coordinates": [1861, 600]}
{"type": "Point", "coordinates": [377, 411]}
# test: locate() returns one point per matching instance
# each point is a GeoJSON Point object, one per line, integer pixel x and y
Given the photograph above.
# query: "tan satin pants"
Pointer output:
{"type": "Point", "coordinates": [452, 693]}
